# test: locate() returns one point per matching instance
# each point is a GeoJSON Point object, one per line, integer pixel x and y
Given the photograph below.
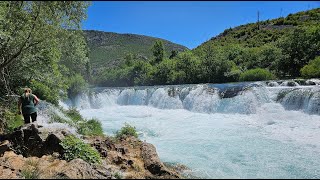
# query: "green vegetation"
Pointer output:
{"type": "Point", "coordinates": [312, 69]}
{"type": "Point", "coordinates": [13, 121]}
{"type": "Point", "coordinates": [42, 47]}
{"type": "Point", "coordinates": [158, 52]}
{"type": "Point", "coordinates": [76, 148]}
{"type": "Point", "coordinates": [91, 127]}
{"type": "Point", "coordinates": [117, 175]}
{"type": "Point", "coordinates": [257, 74]}
{"type": "Point", "coordinates": [31, 170]}
{"type": "Point", "coordinates": [107, 49]}
{"type": "Point", "coordinates": [281, 46]}
{"type": "Point", "coordinates": [31, 173]}
{"type": "Point", "coordinates": [127, 130]}
{"type": "Point", "coordinates": [44, 92]}
{"type": "Point", "coordinates": [73, 118]}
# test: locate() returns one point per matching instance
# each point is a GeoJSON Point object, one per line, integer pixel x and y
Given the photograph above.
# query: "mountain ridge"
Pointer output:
{"type": "Point", "coordinates": [108, 49]}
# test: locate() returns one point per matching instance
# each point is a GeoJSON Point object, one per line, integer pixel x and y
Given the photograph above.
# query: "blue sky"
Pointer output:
{"type": "Point", "coordinates": [189, 23]}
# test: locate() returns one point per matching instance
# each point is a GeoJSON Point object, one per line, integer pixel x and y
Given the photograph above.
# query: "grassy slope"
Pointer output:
{"type": "Point", "coordinates": [109, 49]}
{"type": "Point", "coordinates": [269, 31]}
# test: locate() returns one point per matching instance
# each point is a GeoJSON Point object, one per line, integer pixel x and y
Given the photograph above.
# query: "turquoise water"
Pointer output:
{"type": "Point", "coordinates": [265, 141]}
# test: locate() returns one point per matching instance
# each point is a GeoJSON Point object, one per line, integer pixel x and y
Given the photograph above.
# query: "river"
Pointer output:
{"type": "Point", "coordinates": [242, 130]}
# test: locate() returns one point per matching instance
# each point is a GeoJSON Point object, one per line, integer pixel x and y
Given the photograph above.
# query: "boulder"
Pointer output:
{"type": "Point", "coordinates": [313, 82]}
{"type": "Point", "coordinates": [153, 163]}
{"type": "Point", "coordinates": [5, 146]}
{"type": "Point", "coordinates": [79, 169]}
{"type": "Point", "coordinates": [289, 83]}
{"type": "Point", "coordinates": [30, 140]}
{"type": "Point", "coordinates": [273, 84]}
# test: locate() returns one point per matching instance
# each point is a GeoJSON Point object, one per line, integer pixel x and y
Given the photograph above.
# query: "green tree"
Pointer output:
{"type": "Point", "coordinates": [187, 68]}
{"type": "Point", "coordinates": [30, 40]}
{"type": "Point", "coordinates": [158, 51]}
{"type": "Point", "coordinates": [312, 69]}
{"type": "Point", "coordinates": [174, 53]}
{"type": "Point", "coordinates": [257, 74]}
{"type": "Point", "coordinates": [298, 48]}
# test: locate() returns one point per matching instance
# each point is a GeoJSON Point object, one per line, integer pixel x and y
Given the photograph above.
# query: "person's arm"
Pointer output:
{"type": "Point", "coordinates": [36, 100]}
{"type": "Point", "coordinates": [19, 106]}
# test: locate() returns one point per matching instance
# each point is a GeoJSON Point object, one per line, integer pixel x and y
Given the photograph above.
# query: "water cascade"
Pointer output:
{"type": "Point", "coordinates": [242, 130]}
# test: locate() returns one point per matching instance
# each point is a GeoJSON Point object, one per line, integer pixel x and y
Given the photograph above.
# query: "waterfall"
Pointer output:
{"type": "Point", "coordinates": [242, 98]}
{"type": "Point", "coordinates": [220, 130]}
{"type": "Point", "coordinates": [305, 99]}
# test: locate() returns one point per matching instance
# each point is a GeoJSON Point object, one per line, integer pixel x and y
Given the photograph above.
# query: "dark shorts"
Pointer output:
{"type": "Point", "coordinates": [27, 117]}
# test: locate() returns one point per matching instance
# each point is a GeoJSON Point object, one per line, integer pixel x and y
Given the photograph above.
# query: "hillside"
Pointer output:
{"type": "Point", "coordinates": [263, 32]}
{"type": "Point", "coordinates": [282, 48]}
{"type": "Point", "coordinates": [108, 49]}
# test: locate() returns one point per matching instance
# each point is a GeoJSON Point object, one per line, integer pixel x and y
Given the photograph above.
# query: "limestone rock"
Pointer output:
{"type": "Point", "coordinates": [153, 163]}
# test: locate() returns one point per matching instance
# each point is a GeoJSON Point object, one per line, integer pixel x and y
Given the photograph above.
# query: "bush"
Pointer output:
{"type": "Point", "coordinates": [92, 127]}
{"type": "Point", "coordinates": [74, 115]}
{"type": "Point", "coordinates": [12, 120]}
{"type": "Point", "coordinates": [312, 69]}
{"type": "Point", "coordinates": [257, 74]}
{"type": "Point", "coordinates": [76, 148]}
{"type": "Point", "coordinates": [127, 130]}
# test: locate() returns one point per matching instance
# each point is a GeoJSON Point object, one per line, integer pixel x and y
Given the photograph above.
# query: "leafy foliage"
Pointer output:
{"type": "Point", "coordinates": [257, 74]}
{"type": "Point", "coordinates": [76, 148]}
{"type": "Point", "coordinates": [158, 51]}
{"type": "Point", "coordinates": [312, 69]}
{"type": "Point", "coordinates": [44, 92]}
{"type": "Point", "coordinates": [13, 120]}
{"type": "Point", "coordinates": [92, 127]}
{"type": "Point", "coordinates": [42, 47]}
{"type": "Point", "coordinates": [38, 47]}
{"type": "Point", "coordinates": [72, 117]}
{"type": "Point", "coordinates": [127, 130]}
{"type": "Point", "coordinates": [298, 47]}
{"type": "Point", "coordinates": [77, 84]}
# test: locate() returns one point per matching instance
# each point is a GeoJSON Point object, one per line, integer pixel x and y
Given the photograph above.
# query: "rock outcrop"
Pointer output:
{"type": "Point", "coordinates": [13, 166]}
{"type": "Point", "coordinates": [132, 158]}
{"type": "Point", "coordinates": [30, 140]}
{"type": "Point", "coordinates": [35, 152]}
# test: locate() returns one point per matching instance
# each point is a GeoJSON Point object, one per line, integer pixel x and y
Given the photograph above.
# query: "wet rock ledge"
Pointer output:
{"type": "Point", "coordinates": [32, 152]}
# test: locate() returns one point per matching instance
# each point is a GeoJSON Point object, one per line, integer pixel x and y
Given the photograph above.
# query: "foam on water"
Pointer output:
{"type": "Point", "coordinates": [254, 134]}
{"type": "Point", "coordinates": [226, 145]}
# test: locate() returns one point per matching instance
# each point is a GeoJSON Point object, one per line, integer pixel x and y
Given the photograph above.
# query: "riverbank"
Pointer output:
{"type": "Point", "coordinates": [33, 151]}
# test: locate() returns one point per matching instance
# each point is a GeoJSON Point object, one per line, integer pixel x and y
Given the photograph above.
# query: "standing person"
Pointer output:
{"type": "Point", "coordinates": [26, 106]}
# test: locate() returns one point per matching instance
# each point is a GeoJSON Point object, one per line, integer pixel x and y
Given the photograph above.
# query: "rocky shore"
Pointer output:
{"type": "Point", "coordinates": [34, 152]}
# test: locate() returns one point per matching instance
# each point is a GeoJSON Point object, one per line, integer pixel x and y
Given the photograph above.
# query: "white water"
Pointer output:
{"type": "Point", "coordinates": [247, 136]}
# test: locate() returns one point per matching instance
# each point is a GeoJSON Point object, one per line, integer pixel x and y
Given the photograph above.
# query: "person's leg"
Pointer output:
{"type": "Point", "coordinates": [34, 117]}
{"type": "Point", "coordinates": [26, 118]}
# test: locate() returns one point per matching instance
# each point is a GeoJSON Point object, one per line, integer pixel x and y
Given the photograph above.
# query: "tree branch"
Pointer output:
{"type": "Point", "coordinates": [10, 60]}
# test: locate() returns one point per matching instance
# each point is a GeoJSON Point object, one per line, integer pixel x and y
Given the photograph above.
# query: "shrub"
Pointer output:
{"type": "Point", "coordinates": [127, 130]}
{"type": "Point", "coordinates": [12, 120]}
{"type": "Point", "coordinates": [117, 175]}
{"type": "Point", "coordinates": [312, 69]}
{"type": "Point", "coordinates": [76, 148]}
{"type": "Point", "coordinates": [257, 74]}
{"type": "Point", "coordinates": [74, 115]}
{"type": "Point", "coordinates": [92, 127]}
{"type": "Point", "coordinates": [31, 170]}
